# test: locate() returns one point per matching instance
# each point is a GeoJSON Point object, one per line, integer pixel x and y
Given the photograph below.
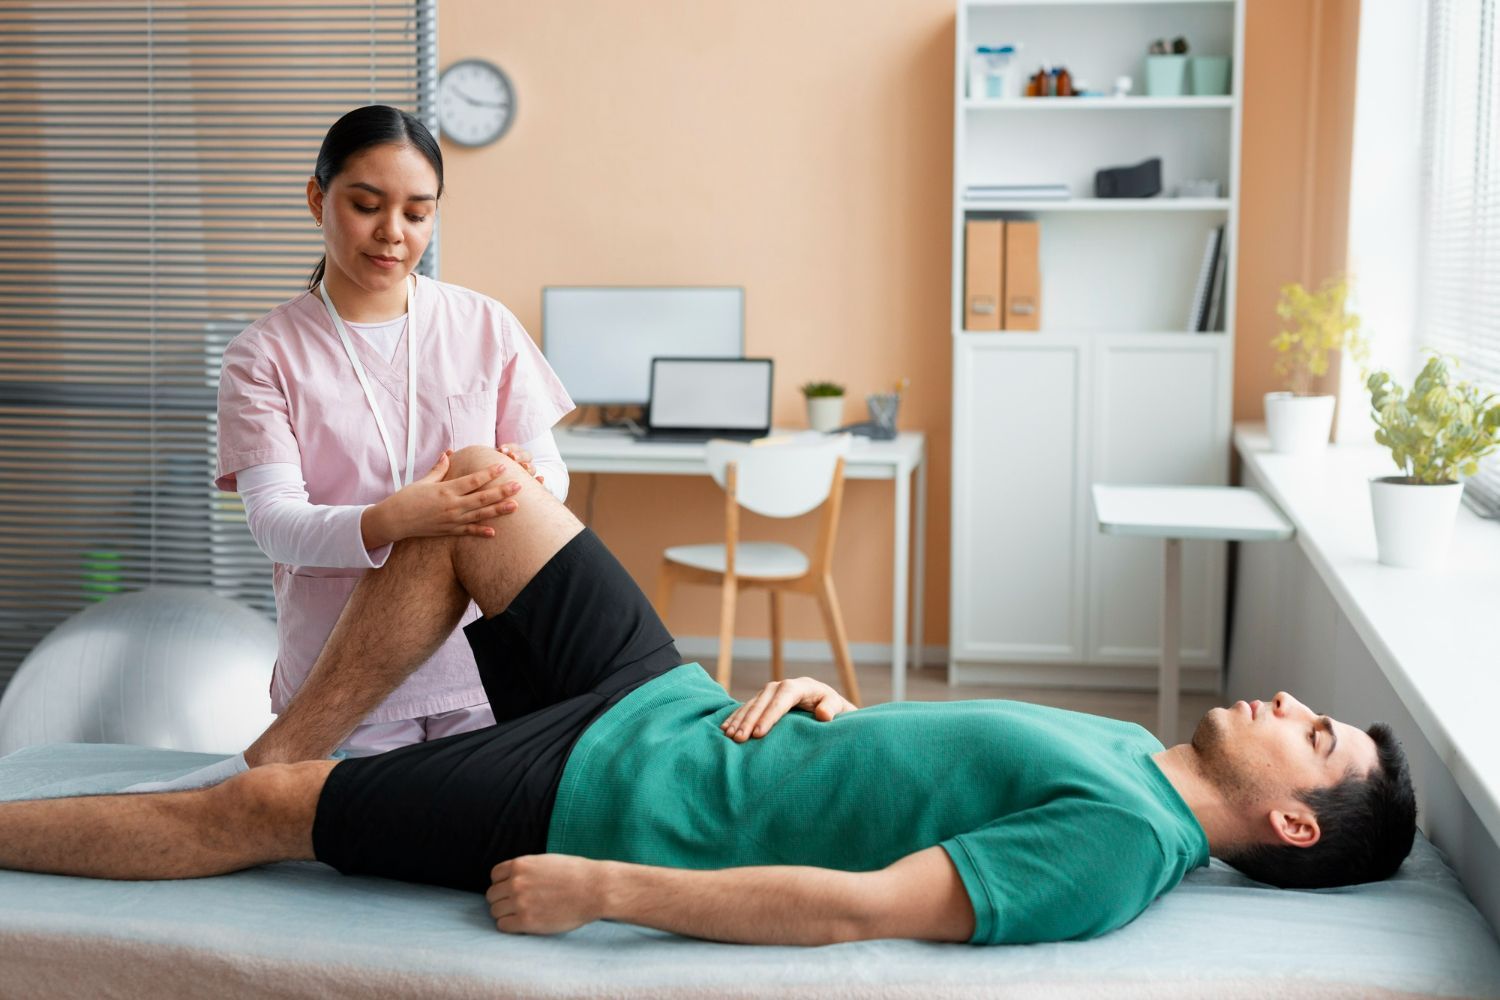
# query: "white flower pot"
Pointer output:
{"type": "Point", "coordinates": [825, 413]}
{"type": "Point", "coordinates": [1298, 425]}
{"type": "Point", "coordinates": [1413, 521]}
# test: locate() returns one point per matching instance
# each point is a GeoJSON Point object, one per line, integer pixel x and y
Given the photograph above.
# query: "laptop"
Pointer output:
{"type": "Point", "coordinates": [694, 399]}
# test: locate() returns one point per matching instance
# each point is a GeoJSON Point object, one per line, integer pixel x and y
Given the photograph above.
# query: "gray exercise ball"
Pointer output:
{"type": "Point", "coordinates": [173, 667]}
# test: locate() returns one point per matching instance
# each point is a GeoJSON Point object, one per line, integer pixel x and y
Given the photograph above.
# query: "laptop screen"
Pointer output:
{"type": "Point", "coordinates": [710, 394]}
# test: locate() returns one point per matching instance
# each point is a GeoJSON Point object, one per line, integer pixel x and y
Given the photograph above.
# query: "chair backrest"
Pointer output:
{"type": "Point", "coordinates": [781, 478]}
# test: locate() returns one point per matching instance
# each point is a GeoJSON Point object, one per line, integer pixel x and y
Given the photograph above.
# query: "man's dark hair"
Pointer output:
{"type": "Point", "coordinates": [1367, 824]}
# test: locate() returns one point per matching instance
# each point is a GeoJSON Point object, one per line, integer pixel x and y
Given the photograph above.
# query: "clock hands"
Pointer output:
{"type": "Point", "coordinates": [477, 102]}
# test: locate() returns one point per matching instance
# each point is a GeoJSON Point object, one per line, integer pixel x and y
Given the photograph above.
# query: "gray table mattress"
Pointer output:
{"type": "Point", "coordinates": [302, 930]}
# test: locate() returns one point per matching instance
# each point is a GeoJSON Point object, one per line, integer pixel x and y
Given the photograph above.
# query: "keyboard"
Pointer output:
{"type": "Point", "coordinates": [668, 435]}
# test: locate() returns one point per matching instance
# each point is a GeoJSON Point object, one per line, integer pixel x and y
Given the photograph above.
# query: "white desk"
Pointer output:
{"type": "Point", "coordinates": [1173, 513]}
{"type": "Point", "coordinates": [896, 460]}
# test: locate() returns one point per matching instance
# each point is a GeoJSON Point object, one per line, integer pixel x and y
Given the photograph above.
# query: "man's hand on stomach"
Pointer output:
{"type": "Point", "coordinates": [756, 716]}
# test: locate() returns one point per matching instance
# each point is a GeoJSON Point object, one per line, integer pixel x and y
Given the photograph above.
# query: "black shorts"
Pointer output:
{"type": "Point", "coordinates": [578, 638]}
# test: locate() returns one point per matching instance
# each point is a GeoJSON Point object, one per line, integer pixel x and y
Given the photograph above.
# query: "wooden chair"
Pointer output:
{"type": "Point", "coordinates": [780, 480]}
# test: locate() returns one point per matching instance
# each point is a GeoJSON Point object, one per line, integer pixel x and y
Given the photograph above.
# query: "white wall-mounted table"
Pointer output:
{"type": "Point", "coordinates": [1175, 513]}
{"type": "Point", "coordinates": [898, 460]}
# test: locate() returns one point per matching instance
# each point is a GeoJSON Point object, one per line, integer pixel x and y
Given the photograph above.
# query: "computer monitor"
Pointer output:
{"type": "Point", "coordinates": [600, 341]}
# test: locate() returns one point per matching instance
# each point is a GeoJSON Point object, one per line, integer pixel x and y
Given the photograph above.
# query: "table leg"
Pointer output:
{"type": "Point", "coordinates": [900, 585]}
{"type": "Point", "coordinates": [1171, 638]}
{"type": "Point", "coordinates": [919, 570]}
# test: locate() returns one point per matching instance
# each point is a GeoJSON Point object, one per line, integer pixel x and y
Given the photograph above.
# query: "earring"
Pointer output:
{"type": "Point", "coordinates": [319, 223]}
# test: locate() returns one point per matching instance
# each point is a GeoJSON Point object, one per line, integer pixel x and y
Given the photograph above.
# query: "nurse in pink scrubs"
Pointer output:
{"type": "Point", "coordinates": [337, 411]}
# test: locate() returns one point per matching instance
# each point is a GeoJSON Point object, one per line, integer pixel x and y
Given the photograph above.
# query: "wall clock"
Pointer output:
{"type": "Point", "coordinates": [476, 102]}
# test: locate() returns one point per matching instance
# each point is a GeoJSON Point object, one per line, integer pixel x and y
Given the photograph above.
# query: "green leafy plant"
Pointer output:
{"type": "Point", "coordinates": [1437, 431]}
{"type": "Point", "coordinates": [815, 389]}
{"type": "Point", "coordinates": [1317, 324]}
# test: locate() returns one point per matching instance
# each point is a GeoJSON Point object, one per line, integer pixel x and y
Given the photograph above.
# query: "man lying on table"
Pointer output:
{"type": "Point", "coordinates": [621, 784]}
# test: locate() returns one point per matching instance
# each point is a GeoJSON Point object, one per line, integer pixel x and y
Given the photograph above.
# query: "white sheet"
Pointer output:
{"type": "Point", "coordinates": [302, 930]}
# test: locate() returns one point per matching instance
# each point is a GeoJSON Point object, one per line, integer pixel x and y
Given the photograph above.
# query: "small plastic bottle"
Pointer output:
{"type": "Point", "coordinates": [1037, 85]}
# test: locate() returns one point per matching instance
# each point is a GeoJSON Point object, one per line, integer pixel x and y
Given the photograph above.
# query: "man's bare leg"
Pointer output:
{"type": "Point", "coordinates": [401, 613]}
{"type": "Point", "coordinates": [396, 618]}
{"type": "Point", "coordinates": [261, 816]}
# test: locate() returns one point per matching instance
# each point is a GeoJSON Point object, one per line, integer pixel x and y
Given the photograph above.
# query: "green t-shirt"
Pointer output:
{"type": "Point", "coordinates": [1060, 824]}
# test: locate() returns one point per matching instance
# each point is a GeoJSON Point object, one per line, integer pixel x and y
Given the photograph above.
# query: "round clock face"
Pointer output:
{"type": "Point", "coordinates": [476, 103]}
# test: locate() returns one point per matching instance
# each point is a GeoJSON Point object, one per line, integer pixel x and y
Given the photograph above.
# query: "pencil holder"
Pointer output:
{"type": "Point", "coordinates": [883, 408]}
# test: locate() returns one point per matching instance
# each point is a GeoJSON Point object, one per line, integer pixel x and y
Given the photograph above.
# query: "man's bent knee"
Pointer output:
{"type": "Point", "coordinates": [472, 458]}
{"type": "Point", "coordinates": [276, 797]}
{"type": "Point", "coordinates": [481, 458]}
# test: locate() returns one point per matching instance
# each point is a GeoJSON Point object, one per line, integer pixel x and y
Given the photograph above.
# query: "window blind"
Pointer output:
{"type": "Point", "coordinates": [155, 159]}
{"type": "Point", "coordinates": [1459, 275]}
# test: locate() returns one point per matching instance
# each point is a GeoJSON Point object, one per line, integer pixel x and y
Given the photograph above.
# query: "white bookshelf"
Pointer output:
{"type": "Point", "coordinates": [977, 4]}
{"type": "Point", "coordinates": [1115, 387]}
{"type": "Point", "coordinates": [1103, 105]}
{"type": "Point", "coordinates": [1042, 205]}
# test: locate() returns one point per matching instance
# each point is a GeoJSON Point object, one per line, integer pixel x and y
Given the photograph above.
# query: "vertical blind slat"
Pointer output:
{"type": "Point", "coordinates": [1458, 284]}
{"type": "Point", "coordinates": [136, 138]}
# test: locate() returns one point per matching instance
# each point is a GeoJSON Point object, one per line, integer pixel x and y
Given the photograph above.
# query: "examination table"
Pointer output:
{"type": "Point", "coordinates": [303, 930]}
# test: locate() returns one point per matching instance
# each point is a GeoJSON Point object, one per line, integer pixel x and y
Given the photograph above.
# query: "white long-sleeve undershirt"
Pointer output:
{"type": "Point", "coordinates": [291, 529]}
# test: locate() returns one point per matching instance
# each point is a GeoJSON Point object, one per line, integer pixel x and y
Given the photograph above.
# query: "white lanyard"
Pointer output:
{"type": "Point", "coordinates": [411, 385]}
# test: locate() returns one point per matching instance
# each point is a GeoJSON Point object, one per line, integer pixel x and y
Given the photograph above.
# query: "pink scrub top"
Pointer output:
{"type": "Point", "coordinates": [288, 393]}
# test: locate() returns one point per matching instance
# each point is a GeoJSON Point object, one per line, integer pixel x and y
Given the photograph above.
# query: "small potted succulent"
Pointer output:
{"type": "Point", "coordinates": [1436, 432]}
{"type": "Point", "coordinates": [825, 405]}
{"type": "Point", "coordinates": [1316, 324]}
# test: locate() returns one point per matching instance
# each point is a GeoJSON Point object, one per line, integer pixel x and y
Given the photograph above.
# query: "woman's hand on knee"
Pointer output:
{"type": "Point", "coordinates": [433, 507]}
{"type": "Point", "coordinates": [522, 457]}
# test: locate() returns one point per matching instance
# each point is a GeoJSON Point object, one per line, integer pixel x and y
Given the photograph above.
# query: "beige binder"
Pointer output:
{"type": "Point", "coordinates": [983, 267]}
{"type": "Point", "coordinates": [1023, 276]}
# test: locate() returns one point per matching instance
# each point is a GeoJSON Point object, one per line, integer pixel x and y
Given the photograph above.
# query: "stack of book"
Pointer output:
{"type": "Point", "coordinates": [1208, 295]}
{"type": "Point", "coordinates": [1016, 192]}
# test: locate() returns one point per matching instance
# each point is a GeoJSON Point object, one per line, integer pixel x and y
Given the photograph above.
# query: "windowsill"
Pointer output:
{"type": "Point", "coordinates": [1431, 631]}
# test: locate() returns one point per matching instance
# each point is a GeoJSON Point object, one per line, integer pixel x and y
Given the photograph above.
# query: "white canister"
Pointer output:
{"type": "Point", "coordinates": [979, 68]}
{"type": "Point", "coordinates": [1298, 425]}
{"type": "Point", "coordinates": [825, 413]}
{"type": "Point", "coordinates": [1413, 521]}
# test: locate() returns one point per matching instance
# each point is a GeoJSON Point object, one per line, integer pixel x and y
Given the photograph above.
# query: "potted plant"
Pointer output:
{"type": "Point", "coordinates": [825, 405]}
{"type": "Point", "coordinates": [1436, 432]}
{"type": "Point", "coordinates": [1317, 324]}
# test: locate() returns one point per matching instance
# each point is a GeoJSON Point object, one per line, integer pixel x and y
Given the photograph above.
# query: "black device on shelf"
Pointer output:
{"type": "Point", "coordinates": [1140, 181]}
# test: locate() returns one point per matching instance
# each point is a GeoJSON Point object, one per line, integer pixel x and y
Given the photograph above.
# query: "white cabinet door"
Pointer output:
{"type": "Point", "coordinates": [1020, 447]}
{"type": "Point", "coordinates": [1159, 416]}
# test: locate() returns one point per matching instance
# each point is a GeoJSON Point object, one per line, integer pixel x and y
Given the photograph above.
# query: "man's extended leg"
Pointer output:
{"type": "Point", "coordinates": [401, 613]}
{"type": "Point", "coordinates": [256, 818]}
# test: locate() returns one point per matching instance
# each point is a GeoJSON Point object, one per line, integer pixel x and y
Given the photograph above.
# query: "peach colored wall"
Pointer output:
{"type": "Point", "coordinates": [804, 150]}
{"type": "Point", "coordinates": [1297, 135]}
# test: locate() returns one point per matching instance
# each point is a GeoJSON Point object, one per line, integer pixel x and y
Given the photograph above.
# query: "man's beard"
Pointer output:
{"type": "Point", "coordinates": [1208, 737]}
{"type": "Point", "coordinates": [1211, 741]}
